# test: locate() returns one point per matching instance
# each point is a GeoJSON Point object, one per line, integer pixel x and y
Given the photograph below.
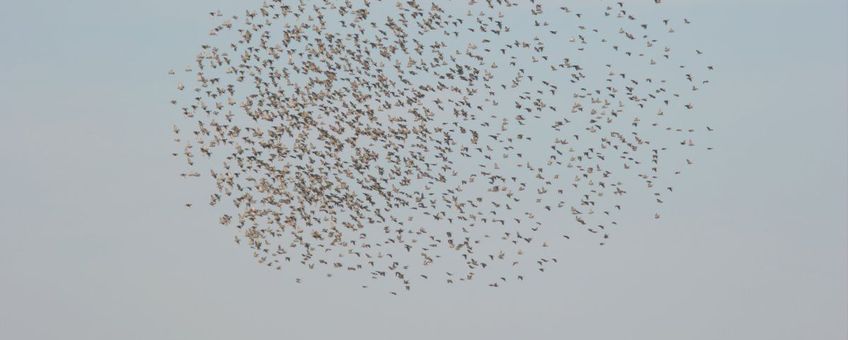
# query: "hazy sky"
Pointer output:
{"type": "Point", "coordinates": [95, 242]}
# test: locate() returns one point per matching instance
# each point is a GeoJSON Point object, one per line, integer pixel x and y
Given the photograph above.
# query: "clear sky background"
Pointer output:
{"type": "Point", "coordinates": [95, 242]}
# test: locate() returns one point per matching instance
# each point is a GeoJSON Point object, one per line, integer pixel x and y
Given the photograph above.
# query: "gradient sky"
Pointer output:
{"type": "Point", "coordinates": [95, 242]}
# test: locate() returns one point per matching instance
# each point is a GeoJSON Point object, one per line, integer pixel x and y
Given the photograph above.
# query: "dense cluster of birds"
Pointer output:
{"type": "Point", "coordinates": [427, 140]}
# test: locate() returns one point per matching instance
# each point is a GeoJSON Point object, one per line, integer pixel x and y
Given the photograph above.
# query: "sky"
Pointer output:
{"type": "Point", "coordinates": [95, 242]}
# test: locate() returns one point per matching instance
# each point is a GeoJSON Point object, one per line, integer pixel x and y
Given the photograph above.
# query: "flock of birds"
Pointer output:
{"type": "Point", "coordinates": [410, 141]}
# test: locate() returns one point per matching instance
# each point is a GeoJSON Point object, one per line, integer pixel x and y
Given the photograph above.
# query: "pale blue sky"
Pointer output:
{"type": "Point", "coordinates": [95, 243]}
